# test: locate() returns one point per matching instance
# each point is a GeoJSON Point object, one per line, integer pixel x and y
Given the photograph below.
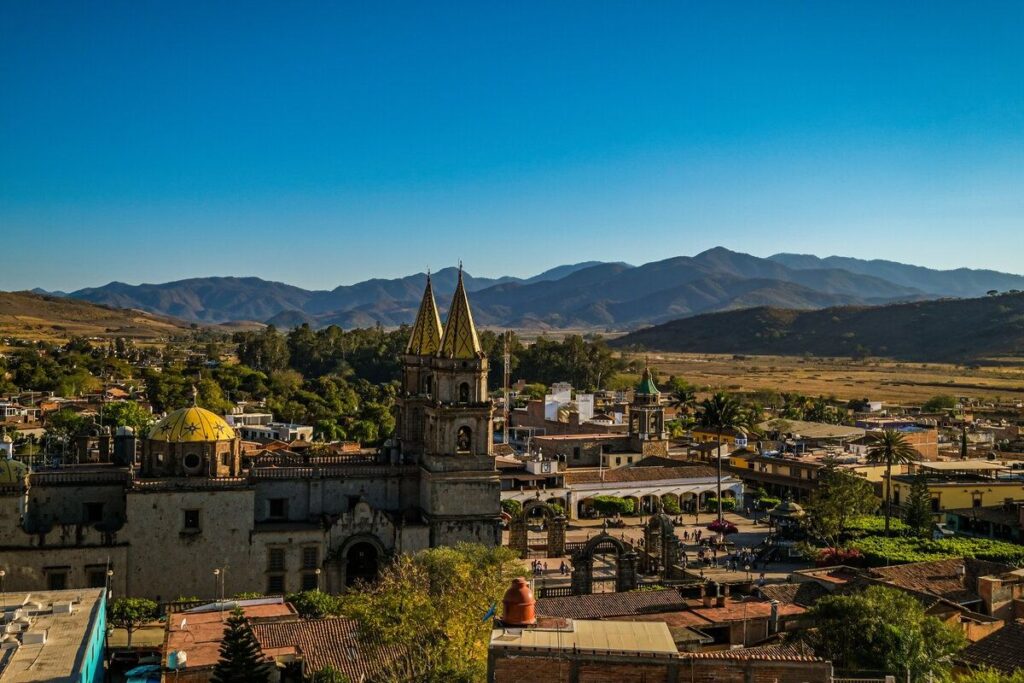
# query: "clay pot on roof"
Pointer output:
{"type": "Point", "coordinates": [518, 604]}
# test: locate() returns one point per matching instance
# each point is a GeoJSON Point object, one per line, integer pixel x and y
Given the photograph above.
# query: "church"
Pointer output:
{"type": "Point", "coordinates": [192, 507]}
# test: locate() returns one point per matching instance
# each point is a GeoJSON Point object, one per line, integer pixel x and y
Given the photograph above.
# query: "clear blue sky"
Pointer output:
{"type": "Point", "coordinates": [324, 143]}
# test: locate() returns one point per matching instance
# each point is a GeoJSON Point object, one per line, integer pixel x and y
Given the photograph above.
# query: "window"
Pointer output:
{"type": "Point", "coordinates": [56, 579]}
{"type": "Point", "coordinates": [93, 512]}
{"type": "Point", "coordinates": [310, 581]}
{"type": "Point", "coordinates": [629, 460]}
{"type": "Point", "coordinates": [935, 504]}
{"type": "Point", "coordinates": [464, 440]}
{"type": "Point", "coordinates": [618, 460]}
{"type": "Point", "coordinates": [278, 508]}
{"type": "Point", "coordinates": [464, 393]}
{"type": "Point", "coordinates": [275, 584]}
{"type": "Point", "coordinates": [191, 521]}
{"type": "Point", "coordinates": [310, 557]}
{"type": "Point", "coordinates": [96, 577]}
{"type": "Point", "coordinates": [275, 559]}
{"type": "Point", "coordinates": [575, 452]}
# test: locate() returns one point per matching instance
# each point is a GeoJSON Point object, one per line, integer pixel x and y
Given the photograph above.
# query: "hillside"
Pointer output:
{"type": "Point", "coordinates": [943, 330]}
{"type": "Point", "coordinates": [33, 316]}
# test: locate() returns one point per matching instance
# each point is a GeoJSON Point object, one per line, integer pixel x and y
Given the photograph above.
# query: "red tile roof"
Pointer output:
{"type": "Point", "coordinates": [601, 605]}
{"type": "Point", "coordinates": [941, 578]}
{"type": "Point", "coordinates": [326, 642]}
{"type": "Point", "coordinates": [1002, 650]}
{"type": "Point", "coordinates": [636, 474]}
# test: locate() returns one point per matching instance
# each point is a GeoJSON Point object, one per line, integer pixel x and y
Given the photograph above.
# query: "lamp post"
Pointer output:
{"type": "Point", "coordinates": [747, 568]}
{"type": "Point", "coordinates": [3, 596]}
{"type": "Point", "coordinates": [218, 592]}
{"type": "Point", "coordinates": [317, 572]}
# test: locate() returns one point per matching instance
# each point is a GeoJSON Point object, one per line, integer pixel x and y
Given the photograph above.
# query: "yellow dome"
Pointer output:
{"type": "Point", "coordinates": [12, 471]}
{"type": "Point", "coordinates": [192, 424]}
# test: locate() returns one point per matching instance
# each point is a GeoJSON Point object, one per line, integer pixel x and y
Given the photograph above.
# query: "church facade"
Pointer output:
{"type": "Point", "coordinates": [193, 507]}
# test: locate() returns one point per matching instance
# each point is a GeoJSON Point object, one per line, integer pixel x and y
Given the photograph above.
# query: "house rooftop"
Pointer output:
{"type": "Point", "coordinates": [610, 637]}
{"type": "Point", "coordinates": [1002, 650]}
{"type": "Point", "coordinates": [56, 642]}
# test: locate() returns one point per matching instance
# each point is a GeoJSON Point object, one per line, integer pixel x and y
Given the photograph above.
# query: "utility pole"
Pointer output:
{"type": "Point", "coordinates": [507, 357]}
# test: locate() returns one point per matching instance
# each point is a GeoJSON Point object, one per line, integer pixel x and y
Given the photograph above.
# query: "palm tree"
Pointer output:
{"type": "Point", "coordinates": [721, 412]}
{"type": "Point", "coordinates": [890, 448]}
{"type": "Point", "coordinates": [684, 400]}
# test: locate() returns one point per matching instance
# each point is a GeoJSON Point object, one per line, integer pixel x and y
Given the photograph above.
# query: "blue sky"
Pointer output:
{"type": "Point", "coordinates": [323, 143]}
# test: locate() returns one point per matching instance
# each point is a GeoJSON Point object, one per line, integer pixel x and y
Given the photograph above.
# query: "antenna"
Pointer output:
{"type": "Point", "coordinates": [507, 358]}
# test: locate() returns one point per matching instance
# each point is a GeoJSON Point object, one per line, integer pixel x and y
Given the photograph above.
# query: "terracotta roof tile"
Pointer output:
{"type": "Point", "coordinates": [601, 605]}
{"type": "Point", "coordinates": [632, 474]}
{"type": "Point", "coordinates": [326, 642]}
{"type": "Point", "coordinates": [941, 577]}
{"type": "Point", "coordinates": [805, 593]}
{"type": "Point", "coordinates": [1003, 650]}
{"type": "Point", "coordinates": [779, 653]}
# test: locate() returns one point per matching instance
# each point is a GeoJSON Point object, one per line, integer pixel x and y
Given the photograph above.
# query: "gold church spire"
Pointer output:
{"type": "Point", "coordinates": [460, 340]}
{"type": "Point", "coordinates": [426, 331]}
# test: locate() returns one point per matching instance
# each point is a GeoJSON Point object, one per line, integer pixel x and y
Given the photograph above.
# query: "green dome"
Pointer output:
{"type": "Point", "coordinates": [647, 386]}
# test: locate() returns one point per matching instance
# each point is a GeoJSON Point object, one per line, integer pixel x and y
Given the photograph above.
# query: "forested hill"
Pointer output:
{"type": "Point", "coordinates": [943, 330]}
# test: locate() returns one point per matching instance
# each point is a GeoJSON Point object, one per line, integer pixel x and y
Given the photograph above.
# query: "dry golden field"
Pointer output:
{"type": "Point", "coordinates": [843, 378]}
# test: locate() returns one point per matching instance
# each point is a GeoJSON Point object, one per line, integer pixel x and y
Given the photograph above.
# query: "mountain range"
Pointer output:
{"type": "Point", "coordinates": [590, 294]}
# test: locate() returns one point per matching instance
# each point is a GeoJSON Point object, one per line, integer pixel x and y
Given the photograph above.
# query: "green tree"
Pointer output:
{"type": "Point", "coordinates": [512, 507]}
{"type": "Point", "coordinates": [315, 604]}
{"type": "Point", "coordinates": [131, 613]}
{"type": "Point", "coordinates": [939, 404]}
{"type": "Point", "coordinates": [917, 514]}
{"type": "Point", "coordinates": [893, 634]}
{"type": "Point", "coordinates": [721, 412]}
{"type": "Point", "coordinates": [429, 607]}
{"type": "Point", "coordinates": [839, 499]}
{"type": "Point", "coordinates": [127, 414]}
{"type": "Point", "coordinates": [612, 505]}
{"type": "Point", "coordinates": [890, 448]}
{"type": "Point", "coordinates": [988, 675]}
{"type": "Point", "coordinates": [241, 660]}
{"type": "Point", "coordinates": [329, 674]}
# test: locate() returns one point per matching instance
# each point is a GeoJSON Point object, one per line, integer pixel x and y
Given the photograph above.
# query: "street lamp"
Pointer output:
{"type": "Point", "coordinates": [317, 572]}
{"type": "Point", "coordinates": [219, 576]}
{"type": "Point", "coordinates": [747, 568]}
{"type": "Point", "coordinates": [3, 596]}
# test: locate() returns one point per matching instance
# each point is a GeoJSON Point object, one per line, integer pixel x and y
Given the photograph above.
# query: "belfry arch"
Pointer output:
{"type": "Point", "coordinates": [555, 522]}
{"type": "Point", "coordinates": [583, 564]}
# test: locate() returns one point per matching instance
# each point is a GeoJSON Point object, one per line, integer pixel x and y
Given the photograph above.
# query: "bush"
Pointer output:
{"type": "Point", "coordinates": [315, 604]}
{"type": "Point", "coordinates": [830, 557]}
{"type": "Point", "coordinates": [874, 525]}
{"type": "Point", "coordinates": [728, 505]}
{"type": "Point", "coordinates": [879, 550]}
{"type": "Point", "coordinates": [671, 506]}
{"type": "Point", "coordinates": [767, 502]}
{"type": "Point", "coordinates": [512, 507]}
{"type": "Point", "coordinates": [724, 527]}
{"type": "Point", "coordinates": [612, 505]}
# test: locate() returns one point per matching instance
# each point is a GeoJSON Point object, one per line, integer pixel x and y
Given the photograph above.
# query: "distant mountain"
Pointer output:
{"type": "Point", "coordinates": [589, 294]}
{"type": "Point", "coordinates": [937, 330]}
{"type": "Point", "coordinates": [960, 282]}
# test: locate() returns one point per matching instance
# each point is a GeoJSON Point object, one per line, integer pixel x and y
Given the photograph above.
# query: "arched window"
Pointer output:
{"type": "Point", "coordinates": [464, 392]}
{"type": "Point", "coordinates": [428, 385]}
{"type": "Point", "coordinates": [464, 440]}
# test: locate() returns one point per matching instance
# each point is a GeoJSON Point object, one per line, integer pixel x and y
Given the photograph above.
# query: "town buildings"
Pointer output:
{"type": "Point", "coordinates": [194, 505]}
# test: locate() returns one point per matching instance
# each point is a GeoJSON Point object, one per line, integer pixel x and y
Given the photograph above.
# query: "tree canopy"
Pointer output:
{"type": "Point", "coordinates": [893, 634]}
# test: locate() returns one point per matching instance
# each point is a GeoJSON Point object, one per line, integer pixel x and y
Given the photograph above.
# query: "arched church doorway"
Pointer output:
{"type": "Point", "coordinates": [362, 563]}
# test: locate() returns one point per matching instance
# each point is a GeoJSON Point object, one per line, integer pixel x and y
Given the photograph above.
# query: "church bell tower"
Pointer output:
{"type": "Point", "coordinates": [460, 489]}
